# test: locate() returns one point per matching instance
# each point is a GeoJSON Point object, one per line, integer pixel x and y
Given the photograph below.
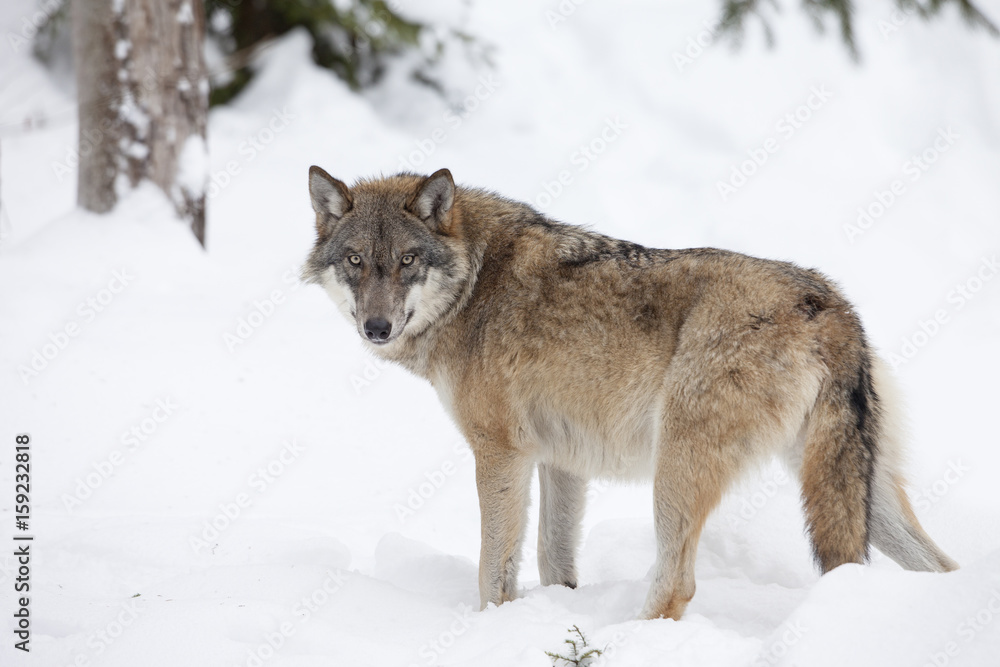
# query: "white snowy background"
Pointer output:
{"type": "Point", "coordinates": [150, 424]}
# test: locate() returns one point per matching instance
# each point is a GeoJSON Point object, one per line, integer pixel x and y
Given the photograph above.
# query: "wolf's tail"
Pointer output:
{"type": "Point", "coordinates": [852, 489]}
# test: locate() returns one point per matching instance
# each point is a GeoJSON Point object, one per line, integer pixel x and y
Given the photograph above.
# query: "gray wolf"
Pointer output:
{"type": "Point", "coordinates": [584, 356]}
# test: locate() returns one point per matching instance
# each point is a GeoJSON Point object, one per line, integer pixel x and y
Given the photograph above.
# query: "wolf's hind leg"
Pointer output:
{"type": "Point", "coordinates": [563, 497]}
{"type": "Point", "coordinates": [691, 477]}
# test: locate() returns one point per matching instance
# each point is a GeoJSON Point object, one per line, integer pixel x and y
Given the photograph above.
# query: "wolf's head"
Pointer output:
{"type": "Point", "coordinates": [388, 251]}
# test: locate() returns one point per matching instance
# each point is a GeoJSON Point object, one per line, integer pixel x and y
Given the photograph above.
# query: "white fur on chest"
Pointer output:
{"type": "Point", "coordinates": [623, 449]}
{"type": "Point", "coordinates": [446, 395]}
{"type": "Point", "coordinates": [620, 450]}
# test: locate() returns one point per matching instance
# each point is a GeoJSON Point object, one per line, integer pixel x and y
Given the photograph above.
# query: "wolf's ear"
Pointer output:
{"type": "Point", "coordinates": [433, 200]}
{"type": "Point", "coordinates": [330, 198]}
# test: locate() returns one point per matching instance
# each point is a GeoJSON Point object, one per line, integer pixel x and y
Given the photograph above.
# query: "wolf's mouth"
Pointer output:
{"type": "Point", "coordinates": [379, 342]}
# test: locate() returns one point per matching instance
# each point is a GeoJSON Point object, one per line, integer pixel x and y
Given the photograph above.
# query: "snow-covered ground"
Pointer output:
{"type": "Point", "coordinates": [221, 476]}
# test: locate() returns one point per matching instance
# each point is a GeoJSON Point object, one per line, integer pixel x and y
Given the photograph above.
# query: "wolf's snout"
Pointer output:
{"type": "Point", "coordinates": [378, 330]}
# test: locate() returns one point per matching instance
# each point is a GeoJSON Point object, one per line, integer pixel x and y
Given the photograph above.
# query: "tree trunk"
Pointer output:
{"type": "Point", "coordinates": [143, 94]}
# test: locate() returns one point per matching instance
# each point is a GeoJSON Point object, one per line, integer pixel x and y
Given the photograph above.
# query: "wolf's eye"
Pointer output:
{"type": "Point", "coordinates": [354, 259]}
{"type": "Point", "coordinates": [406, 260]}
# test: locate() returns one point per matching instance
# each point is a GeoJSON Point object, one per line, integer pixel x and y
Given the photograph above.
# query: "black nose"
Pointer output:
{"type": "Point", "coordinates": [377, 329]}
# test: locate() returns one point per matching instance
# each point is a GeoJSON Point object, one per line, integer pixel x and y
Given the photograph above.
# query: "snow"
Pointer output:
{"type": "Point", "coordinates": [185, 14]}
{"type": "Point", "coordinates": [221, 475]}
{"type": "Point", "coordinates": [193, 165]}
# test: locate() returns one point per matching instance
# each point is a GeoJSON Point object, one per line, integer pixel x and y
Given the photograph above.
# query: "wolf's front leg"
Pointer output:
{"type": "Point", "coordinates": [563, 497]}
{"type": "Point", "coordinates": [504, 481]}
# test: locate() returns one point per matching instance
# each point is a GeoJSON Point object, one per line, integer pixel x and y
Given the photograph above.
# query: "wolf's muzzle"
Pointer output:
{"type": "Point", "coordinates": [378, 330]}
